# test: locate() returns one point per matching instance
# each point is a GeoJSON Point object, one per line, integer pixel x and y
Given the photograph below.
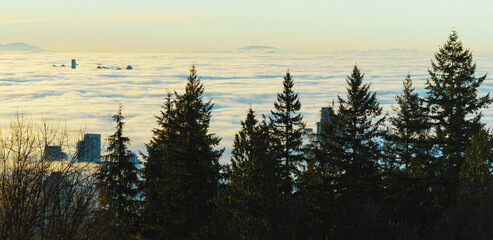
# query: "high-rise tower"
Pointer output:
{"type": "Point", "coordinates": [89, 149]}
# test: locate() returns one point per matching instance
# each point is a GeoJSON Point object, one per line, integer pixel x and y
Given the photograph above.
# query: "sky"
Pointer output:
{"type": "Point", "coordinates": [308, 26]}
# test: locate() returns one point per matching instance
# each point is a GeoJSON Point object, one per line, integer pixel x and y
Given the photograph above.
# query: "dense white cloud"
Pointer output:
{"type": "Point", "coordinates": [87, 97]}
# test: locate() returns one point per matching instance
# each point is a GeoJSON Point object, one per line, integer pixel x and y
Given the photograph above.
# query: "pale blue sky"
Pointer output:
{"type": "Point", "coordinates": [311, 26]}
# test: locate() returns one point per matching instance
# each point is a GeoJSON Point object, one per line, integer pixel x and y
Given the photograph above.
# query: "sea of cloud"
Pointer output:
{"type": "Point", "coordinates": [86, 98]}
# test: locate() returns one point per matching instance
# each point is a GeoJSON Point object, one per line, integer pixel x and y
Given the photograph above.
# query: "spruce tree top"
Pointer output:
{"type": "Point", "coordinates": [287, 127]}
{"type": "Point", "coordinates": [286, 122]}
{"type": "Point", "coordinates": [251, 147]}
{"type": "Point", "coordinates": [117, 142]}
{"type": "Point", "coordinates": [453, 96]}
{"type": "Point", "coordinates": [410, 120]}
{"type": "Point", "coordinates": [354, 142]}
{"type": "Point", "coordinates": [361, 104]}
{"type": "Point", "coordinates": [453, 86]}
{"type": "Point", "coordinates": [287, 101]}
{"type": "Point", "coordinates": [117, 180]}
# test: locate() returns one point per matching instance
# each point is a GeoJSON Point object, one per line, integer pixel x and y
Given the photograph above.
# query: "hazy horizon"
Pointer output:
{"type": "Point", "coordinates": [232, 51]}
{"type": "Point", "coordinates": [310, 26]}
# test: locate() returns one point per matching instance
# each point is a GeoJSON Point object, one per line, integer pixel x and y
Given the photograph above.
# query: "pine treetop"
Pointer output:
{"type": "Point", "coordinates": [411, 113]}
{"type": "Point", "coordinates": [453, 86]}
{"type": "Point", "coordinates": [287, 128]}
{"type": "Point", "coordinates": [353, 138]}
{"type": "Point", "coordinates": [360, 107]}
{"type": "Point", "coordinates": [117, 181]}
{"type": "Point", "coordinates": [117, 142]}
{"type": "Point", "coordinates": [453, 96]}
{"type": "Point", "coordinates": [182, 168]}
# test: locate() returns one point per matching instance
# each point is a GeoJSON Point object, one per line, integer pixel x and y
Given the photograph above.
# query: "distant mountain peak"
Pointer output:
{"type": "Point", "coordinates": [258, 49]}
{"type": "Point", "coordinates": [20, 46]}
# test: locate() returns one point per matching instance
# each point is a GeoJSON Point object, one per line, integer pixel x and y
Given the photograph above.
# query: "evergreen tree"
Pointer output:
{"type": "Point", "coordinates": [455, 111]}
{"type": "Point", "coordinates": [408, 164]}
{"type": "Point", "coordinates": [117, 182]}
{"type": "Point", "coordinates": [317, 187]}
{"type": "Point", "coordinates": [470, 218]}
{"type": "Point", "coordinates": [182, 166]}
{"type": "Point", "coordinates": [252, 199]}
{"type": "Point", "coordinates": [475, 174]}
{"type": "Point", "coordinates": [410, 128]}
{"type": "Point", "coordinates": [343, 181]}
{"type": "Point", "coordinates": [287, 128]}
{"type": "Point", "coordinates": [160, 174]}
{"type": "Point", "coordinates": [355, 139]}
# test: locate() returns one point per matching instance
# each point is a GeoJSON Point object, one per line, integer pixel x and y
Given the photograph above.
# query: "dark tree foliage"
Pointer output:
{"type": "Point", "coordinates": [317, 185]}
{"type": "Point", "coordinates": [455, 111]}
{"type": "Point", "coordinates": [470, 218]}
{"type": "Point", "coordinates": [182, 168]}
{"type": "Point", "coordinates": [408, 165]}
{"type": "Point", "coordinates": [317, 189]}
{"type": "Point", "coordinates": [252, 199]}
{"type": "Point", "coordinates": [344, 174]}
{"type": "Point", "coordinates": [159, 174]}
{"type": "Point", "coordinates": [117, 182]}
{"type": "Point", "coordinates": [355, 140]}
{"type": "Point", "coordinates": [411, 128]}
{"type": "Point", "coordinates": [287, 129]}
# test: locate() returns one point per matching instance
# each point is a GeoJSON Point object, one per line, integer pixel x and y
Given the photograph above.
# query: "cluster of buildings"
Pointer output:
{"type": "Point", "coordinates": [88, 150]}
{"type": "Point", "coordinates": [74, 65]}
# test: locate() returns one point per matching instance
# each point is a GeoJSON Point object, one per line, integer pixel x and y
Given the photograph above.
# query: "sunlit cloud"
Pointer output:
{"type": "Point", "coordinates": [86, 98]}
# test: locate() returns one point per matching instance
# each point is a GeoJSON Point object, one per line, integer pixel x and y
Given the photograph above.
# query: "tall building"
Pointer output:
{"type": "Point", "coordinates": [55, 153]}
{"type": "Point", "coordinates": [308, 135]}
{"type": "Point", "coordinates": [89, 149]}
{"type": "Point", "coordinates": [324, 119]}
{"type": "Point", "coordinates": [135, 159]}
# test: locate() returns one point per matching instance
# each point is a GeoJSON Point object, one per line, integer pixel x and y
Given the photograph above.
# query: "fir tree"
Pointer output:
{"type": "Point", "coordinates": [410, 127]}
{"type": "Point", "coordinates": [160, 174]}
{"type": "Point", "coordinates": [355, 138]}
{"type": "Point", "coordinates": [117, 182]}
{"type": "Point", "coordinates": [185, 166]}
{"type": "Point", "coordinates": [344, 176]}
{"type": "Point", "coordinates": [475, 174]}
{"type": "Point", "coordinates": [408, 163]}
{"type": "Point", "coordinates": [252, 201]}
{"type": "Point", "coordinates": [317, 187]}
{"type": "Point", "coordinates": [455, 110]}
{"type": "Point", "coordinates": [470, 218]}
{"type": "Point", "coordinates": [287, 128]}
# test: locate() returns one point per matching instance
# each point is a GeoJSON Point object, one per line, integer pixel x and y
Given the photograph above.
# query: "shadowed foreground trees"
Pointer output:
{"type": "Point", "coordinates": [287, 128]}
{"type": "Point", "coordinates": [182, 167]}
{"type": "Point", "coordinates": [410, 152]}
{"type": "Point", "coordinates": [344, 177]}
{"type": "Point", "coordinates": [455, 112]}
{"type": "Point", "coordinates": [40, 197]}
{"type": "Point", "coordinates": [117, 182]}
{"type": "Point", "coordinates": [472, 213]}
{"type": "Point", "coordinates": [250, 201]}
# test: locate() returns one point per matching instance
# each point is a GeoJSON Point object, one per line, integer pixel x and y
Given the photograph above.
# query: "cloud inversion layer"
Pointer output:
{"type": "Point", "coordinates": [87, 97]}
